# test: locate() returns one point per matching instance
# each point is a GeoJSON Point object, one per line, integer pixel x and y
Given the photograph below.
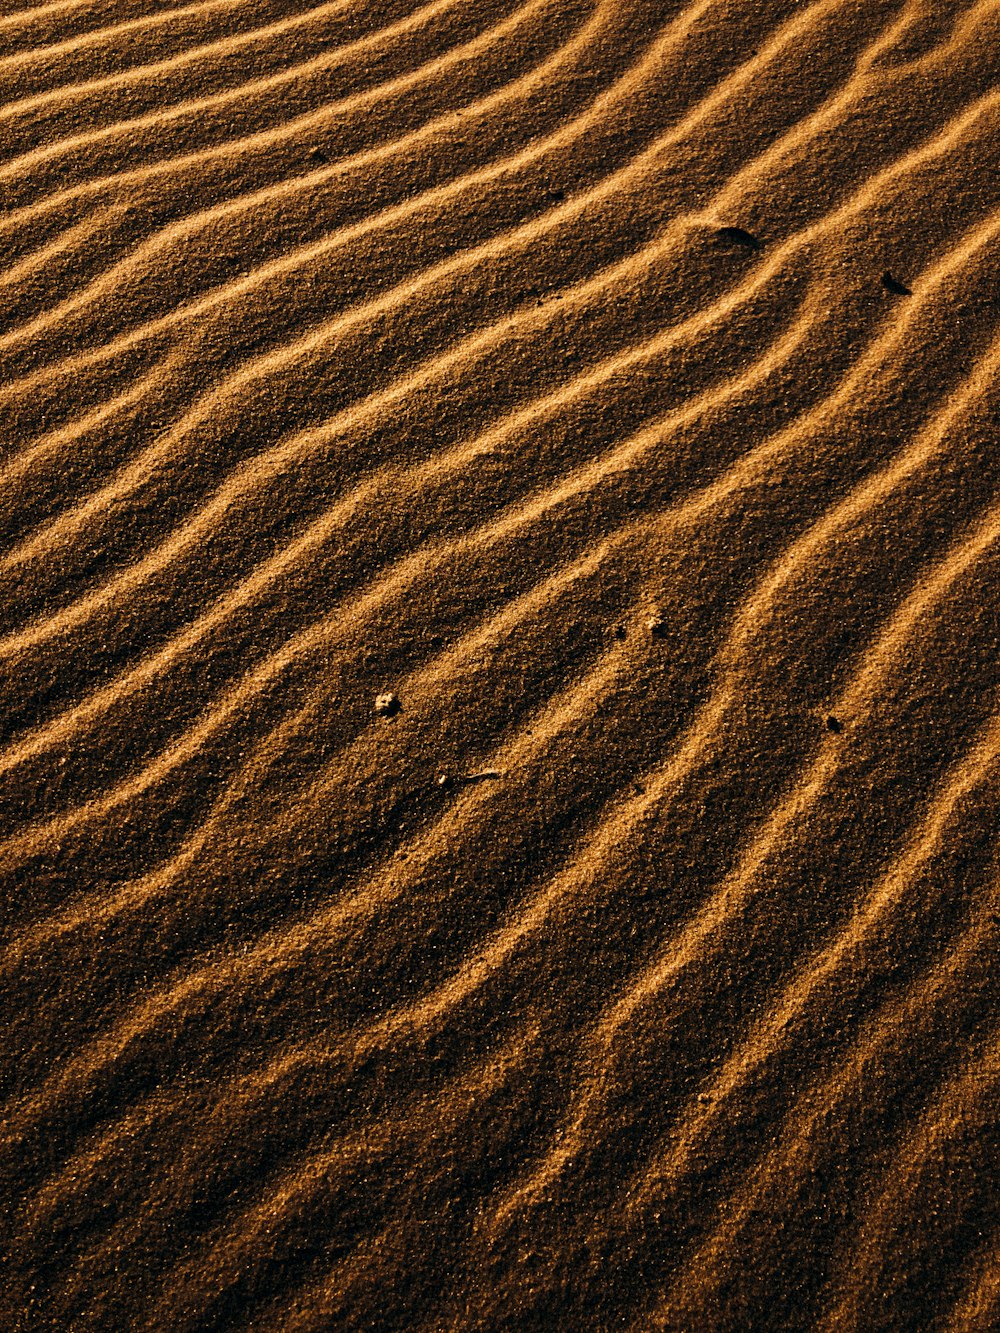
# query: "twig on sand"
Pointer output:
{"type": "Point", "coordinates": [468, 779]}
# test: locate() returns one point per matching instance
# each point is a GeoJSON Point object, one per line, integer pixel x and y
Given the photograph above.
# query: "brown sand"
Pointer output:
{"type": "Point", "coordinates": [612, 385]}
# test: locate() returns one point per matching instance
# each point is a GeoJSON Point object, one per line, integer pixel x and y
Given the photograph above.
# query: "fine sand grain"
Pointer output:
{"type": "Point", "coordinates": [500, 757]}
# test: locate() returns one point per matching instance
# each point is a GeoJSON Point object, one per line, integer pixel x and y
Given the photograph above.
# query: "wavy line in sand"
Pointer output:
{"type": "Point", "coordinates": [226, 1255]}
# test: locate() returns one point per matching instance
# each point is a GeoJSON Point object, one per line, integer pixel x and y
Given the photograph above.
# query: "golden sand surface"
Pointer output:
{"type": "Point", "coordinates": [500, 756]}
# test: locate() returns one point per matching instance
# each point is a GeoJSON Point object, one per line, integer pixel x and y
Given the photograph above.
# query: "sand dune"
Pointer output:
{"type": "Point", "coordinates": [614, 383]}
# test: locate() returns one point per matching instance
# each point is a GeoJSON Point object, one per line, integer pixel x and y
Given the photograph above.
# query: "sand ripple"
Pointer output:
{"type": "Point", "coordinates": [614, 383]}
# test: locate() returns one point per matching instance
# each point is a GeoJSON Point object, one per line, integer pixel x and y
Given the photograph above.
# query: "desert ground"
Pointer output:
{"type": "Point", "coordinates": [499, 626]}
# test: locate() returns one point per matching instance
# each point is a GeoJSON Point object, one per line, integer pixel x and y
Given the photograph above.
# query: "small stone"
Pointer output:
{"type": "Point", "coordinates": [737, 236]}
{"type": "Point", "coordinates": [834, 724]}
{"type": "Point", "coordinates": [657, 626]}
{"type": "Point", "coordinates": [893, 285]}
{"type": "Point", "coordinates": [443, 780]}
{"type": "Point", "coordinates": [387, 705]}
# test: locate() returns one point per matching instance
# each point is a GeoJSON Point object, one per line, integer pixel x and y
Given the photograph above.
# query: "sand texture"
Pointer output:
{"type": "Point", "coordinates": [500, 756]}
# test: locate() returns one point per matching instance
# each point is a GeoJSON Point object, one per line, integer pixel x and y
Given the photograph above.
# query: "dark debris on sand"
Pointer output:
{"type": "Point", "coordinates": [893, 285]}
{"type": "Point", "coordinates": [738, 236]}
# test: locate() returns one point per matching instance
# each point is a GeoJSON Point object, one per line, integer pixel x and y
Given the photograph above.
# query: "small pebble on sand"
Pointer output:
{"type": "Point", "coordinates": [657, 626]}
{"type": "Point", "coordinates": [387, 705]}
{"type": "Point", "coordinates": [738, 236]}
{"type": "Point", "coordinates": [893, 285]}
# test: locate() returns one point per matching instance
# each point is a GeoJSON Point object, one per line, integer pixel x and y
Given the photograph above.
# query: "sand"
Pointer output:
{"type": "Point", "coordinates": [500, 759]}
